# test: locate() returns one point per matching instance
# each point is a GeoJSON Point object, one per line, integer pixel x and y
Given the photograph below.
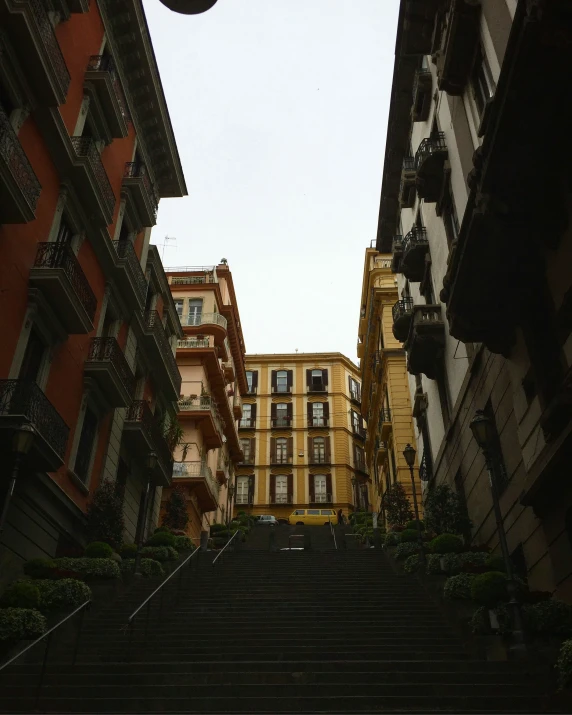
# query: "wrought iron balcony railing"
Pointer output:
{"type": "Point", "coordinates": [85, 147]}
{"type": "Point", "coordinates": [125, 251]}
{"type": "Point", "coordinates": [430, 145]}
{"type": "Point", "coordinates": [248, 458]}
{"type": "Point", "coordinates": [194, 280]}
{"type": "Point", "coordinates": [51, 46]}
{"type": "Point", "coordinates": [200, 404]}
{"type": "Point", "coordinates": [385, 415]}
{"type": "Point", "coordinates": [281, 499]}
{"type": "Point", "coordinates": [281, 459]}
{"type": "Point", "coordinates": [281, 421]}
{"type": "Point", "coordinates": [138, 170]}
{"type": "Point", "coordinates": [154, 324]}
{"type": "Point", "coordinates": [16, 161]}
{"type": "Point", "coordinates": [190, 343]}
{"type": "Point", "coordinates": [107, 350]}
{"type": "Point", "coordinates": [402, 307]}
{"type": "Point", "coordinates": [60, 255]}
{"type": "Point", "coordinates": [425, 471]}
{"type": "Point", "coordinates": [322, 499]}
{"type": "Point", "coordinates": [243, 499]}
{"type": "Point", "coordinates": [139, 412]}
{"type": "Point", "coordinates": [415, 237]}
{"type": "Point", "coordinates": [25, 401]}
{"type": "Point", "coordinates": [318, 421]}
{"type": "Point", "coordinates": [204, 319]}
{"type": "Point", "coordinates": [182, 470]}
{"type": "Point", "coordinates": [247, 423]}
{"type": "Point", "coordinates": [105, 63]}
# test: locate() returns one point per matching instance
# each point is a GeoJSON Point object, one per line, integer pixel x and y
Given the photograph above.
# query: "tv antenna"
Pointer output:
{"type": "Point", "coordinates": [165, 245]}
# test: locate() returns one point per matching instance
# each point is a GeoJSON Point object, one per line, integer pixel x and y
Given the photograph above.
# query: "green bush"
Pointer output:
{"type": "Point", "coordinates": [162, 538]}
{"type": "Point", "coordinates": [564, 664]}
{"type": "Point", "coordinates": [183, 543]}
{"type": "Point", "coordinates": [408, 535]}
{"type": "Point", "coordinates": [489, 588]}
{"type": "Point", "coordinates": [98, 550]}
{"type": "Point", "coordinates": [39, 568]}
{"type": "Point", "coordinates": [219, 541]}
{"type": "Point", "coordinates": [128, 551]}
{"type": "Point", "coordinates": [21, 594]}
{"type": "Point", "coordinates": [149, 568]}
{"type": "Point", "coordinates": [158, 553]}
{"type": "Point", "coordinates": [64, 593]}
{"type": "Point", "coordinates": [90, 568]}
{"type": "Point", "coordinates": [216, 528]}
{"type": "Point", "coordinates": [549, 618]}
{"type": "Point", "coordinates": [445, 512]}
{"type": "Point", "coordinates": [412, 564]}
{"type": "Point", "coordinates": [404, 550]}
{"type": "Point", "coordinates": [105, 521]}
{"type": "Point", "coordinates": [392, 539]}
{"type": "Point", "coordinates": [459, 587]}
{"type": "Point", "coordinates": [465, 562]}
{"type": "Point", "coordinates": [413, 524]}
{"type": "Point", "coordinates": [19, 623]}
{"type": "Point", "coordinates": [446, 544]}
{"type": "Point", "coordinates": [495, 563]}
{"type": "Point", "coordinates": [433, 564]}
{"type": "Point", "coordinates": [480, 624]}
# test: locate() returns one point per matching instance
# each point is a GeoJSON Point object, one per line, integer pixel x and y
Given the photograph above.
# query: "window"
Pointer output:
{"type": "Point", "coordinates": [317, 380]}
{"type": "Point", "coordinates": [65, 233]}
{"type": "Point", "coordinates": [84, 454]}
{"type": "Point", "coordinates": [300, 512]}
{"type": "Point", "coordinates": [319, 450]}
{"type": "Point", "coordinates": [248, 450]}
{"type": "Point", "coordinates": [356, 423]}
{"type": "Point", "coordinates": [500, 474]}
{"type": "Point", "coordinates": [359, 456]}
{"type": "Point", "coordinates": [243, 491]}
{"type": "Point", "coordinates": [318, 414]}
{"type": "Point", "coordinates": [281, 489]}
{"type": "Point", "coordinates": [248, 415]}
{"type": "Point", "coordinates": [313, 512]}
{"type": "Point", "coordinates": [252, 380]}
{"type": "Point", "coordinates": [195, 311]}
{"type": "Point", "coordinates": [282, 418]}
{"type": "Point", "coordinates": [33, 357]}
{"type": "Point", "coordinates": [282, 381]}
{"type": "Point", "coordinates": [327, 512]}
{"type": "Point", "coordinates": [281, 450]}
{"type": "Point", "coordinates": [355, 390]}
{"type": "Point", "coordinates": [482, 83]}
{"type": "Point", "coordinates": [320, 490]}
{"type": "Point", "coordinates": [179, 306]}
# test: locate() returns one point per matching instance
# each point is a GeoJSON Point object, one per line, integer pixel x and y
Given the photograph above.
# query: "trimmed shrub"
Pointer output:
{"type": "Point", "coordinates": [19, 623]}
{"type": "Point", "coordinates": [495, 563]}
{"type": "Point", "coordinates": [408, 535]}
{"type": "Point", "coordinates": [549, 618]}
{"type": "Point", "coordinates": [480, 624]}
{"type": "Point", "coordinates": [161, 538]}
{"type": "Point", "coordinates": [149, 567]}
{"type": "Point", "coordinates": [392, 539]}
{"type": "Point", "coordinates": [564, 664]}
{"type": "Point", "coordinates": [158, 553]}
{"type": "Point", "coordinates": [176, 516]}
{"type": "Point", "coordinates": [459, 587]}
{"type": "Point", "coordinates": [466, 562]}
{"type": "Point", "coordinates": [98, 550]}
{"type": "Point", "coordinates": [446, 544]}
{"type": "Point", "coordinates": [39, 568]}
{"type": "Point", "coordinates": [445, 512]}
{"type": "Point", "coordinates": [404, 550]}
{"type": "Point", "coordinates": [90, 568]}
{"type": "Point", "coordinates": [21, 594]}
{"type": "Point", "coordinates": [412, 564]}
{"type": "Point", "coordinates": [105, 520]}
{"type": "Point", "coordinates": [128, 551]}
{"type": "Point", "coordinates": [65, 593]}
{"type": "Point", "coordinates": [397, 505]}
{"type": "Point", "coordinates": [433, 564]}
{"type": "Point", "coordinates": [489, 588]}
{"type": "Point", "coordinates": [183, 543]}
{"type": "Point", "coordinates": [413, 524]}
{"type": "Point", "coordinates": [216, 528]}
{"type": "Point", "coordinates": [219, 541]}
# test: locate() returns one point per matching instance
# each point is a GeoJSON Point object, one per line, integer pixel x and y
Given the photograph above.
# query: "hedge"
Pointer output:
{"type": "Point", "coordinates": [19, 623]}
{"type": "Point", "coordinates": [149, 567]}
{"type": "Point", "coordinates": [90, 568]}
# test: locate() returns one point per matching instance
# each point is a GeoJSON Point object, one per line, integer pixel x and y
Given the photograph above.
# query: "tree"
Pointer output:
{"type": "Point", "coordinates": [397, 505]}
{"type": "Point", "coordinates": [105, 516]}
{"type": "Point", "coordinates": [445, 512]}
{"type": "Point", "coordinates": [176, 517]}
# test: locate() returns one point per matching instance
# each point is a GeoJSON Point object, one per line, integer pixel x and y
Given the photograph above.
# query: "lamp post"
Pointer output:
{"type": "Point", "coordinates": [230, 503]}
{"type": "Point", "coordinates": [150, 466]}
{"type": "Point", "coordinates": [485, 436]}
{"type": "Point", "coordinates": [356, 493]}
{"type": "Point", "coordinates": [21, 444]}
{"type": "Point", "coordinates": [409, 454]}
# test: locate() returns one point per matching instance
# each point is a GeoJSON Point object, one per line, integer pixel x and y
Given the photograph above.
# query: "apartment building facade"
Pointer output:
{"type": "Point", "coordinates": [87, 367]}
{"type": "Point", "coordinates": [475, 208]}
{"type": "Point", "coordinates": [302, 435]}
{"type": "Point", "coordinates": [211, 359]}
{"type": "Point", "coordinates": [385, 401]}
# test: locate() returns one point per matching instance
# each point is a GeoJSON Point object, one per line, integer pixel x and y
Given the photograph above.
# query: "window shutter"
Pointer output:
{"type": "Point", "coordinates": [310, 413]}
{"type": "Point", "coordinates": [289, 410]}
{"type": "Point", "coordinates": [308, 377]}
{"type": "Point", "coordinates": [312, 489]}
{"type": "Point", "coordinates": [273, 380]}
{"type": "Point", "coordinates": [310, 450]}
{"type": "Point", "coordinates": [290, 488]}
{"type": "Point", "coordinates": [289, 375]}
{"type": "Point", "coordinates": [350, 385]}
{"type": "Point", "coordinates": [327, 410]}
{"type": "Point", "coordinates": [273, 411]}
{"type": "Point", "coordinates": [272, 488]}
{"type": "Point", "coordinates": [329, 487]}
{"type": "Point", "coordinates": [253, 414]}
{"type": "Point", "coordinates": [327, 449]}
{"type": "Point", "coordinates": [252, 489]}
{"type": "Point", "coordinates": [252, 449]}
{"type": "Point", "coordinates": [272, 450]}
{"type": "Point", "coordinates": [325, 377]}
{"type": "Point", "coordinates": [290, 448]}
{"type": "Point", "coordinates": [255, 378]}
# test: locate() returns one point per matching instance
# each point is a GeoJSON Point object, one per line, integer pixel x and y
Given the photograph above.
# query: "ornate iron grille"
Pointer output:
{"type": "Point", "coordinates": [108, 350]}
{"type": "Point", "coordinates": [154, 324]}
{"type": "Point", "coordinates": [51, 44]}
{"type": "Point", "coordinates": [24, 398]}
{"type": "Point", "coordinates": [17, 161]}
{"type": "Point", "coordinates": [139, 412]}
{"type": "Point", "coordinates": [124, 249]}
{"type": "Point", "coordinates": [136, 170]}
{"type": "Point", "coordinates": [60, 255]}
{"type": "Point", "coordinates": [86, 147]}
{"type": "Point", "coordinates": [105, 63]}
{"type": "Point", "coordinates": [403, 306]}
{"type": "Point", "coordinates": [430, 145]}
{"type": "Point", "coordinates": [425, 472]}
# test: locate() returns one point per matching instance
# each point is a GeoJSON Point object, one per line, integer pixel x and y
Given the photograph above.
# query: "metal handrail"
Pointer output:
{"type": "Point", "coordinates": [294, 536]}
{"type": "Point", "coordinates": [221, 552]}
{"type": "Point", "coordinates": [333, 532]}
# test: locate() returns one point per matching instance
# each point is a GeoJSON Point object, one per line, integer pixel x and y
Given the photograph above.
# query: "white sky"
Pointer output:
{"type": "Point", "coordinates": [280, 113]}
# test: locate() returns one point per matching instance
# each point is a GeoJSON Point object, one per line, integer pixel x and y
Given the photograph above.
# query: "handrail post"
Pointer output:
{"type": "Point", "coordinates": [76, 648]}
{"type": "Point", "coordinates": [129, 639]}
{"type": "Point", "coordinates": [43, 671]}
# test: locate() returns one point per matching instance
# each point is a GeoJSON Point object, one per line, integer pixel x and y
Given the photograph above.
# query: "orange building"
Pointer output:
{"type": "Point", "coordinates": [88, 323]}
{"type": "Point", "coordinates": [211, 359]}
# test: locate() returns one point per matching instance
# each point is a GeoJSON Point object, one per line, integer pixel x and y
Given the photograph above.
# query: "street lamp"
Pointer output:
{"type": "Point", "coordinates": [230, 504]}
{"type": "Point", "coordinates": [409, 454]}
{"type": "Point", "coordinates": [485, 436]}
{"type": "Point", "coordinates": [356, 492]}
{"type": "Point", "coordinates": [21, 444]}
{"type": "Point", "coordinates": [189, 7]}
{"type": "Point", "coordinates": [150, 466]}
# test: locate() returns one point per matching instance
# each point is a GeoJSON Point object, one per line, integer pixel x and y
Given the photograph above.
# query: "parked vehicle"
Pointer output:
{"type": "Point", "coordinates": [267, 520]}
{"type": "Point", "coordinates": [312, 516]}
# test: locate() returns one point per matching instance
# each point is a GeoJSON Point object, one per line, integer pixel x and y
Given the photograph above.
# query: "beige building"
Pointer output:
{"type": "Point", "coordinates": [210, 358]}
{"type": "Point", "coordinates": [302, 435]}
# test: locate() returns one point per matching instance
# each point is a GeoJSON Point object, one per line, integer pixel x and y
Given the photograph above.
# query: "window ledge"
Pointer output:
{"type": "Point", "coordinates": [78, 482]}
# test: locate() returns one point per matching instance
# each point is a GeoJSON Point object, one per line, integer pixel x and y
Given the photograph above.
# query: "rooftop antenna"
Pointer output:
{"type": "Point", "coordinates": [296, 349]}
{"type": "Point", "coordinates": [166, 245]}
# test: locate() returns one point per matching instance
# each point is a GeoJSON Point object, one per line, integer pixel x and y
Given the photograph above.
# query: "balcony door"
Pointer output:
{"type": "Point", "coordinates": [320, 488]}
{"type": "Point", "coordinates": [318, 414]}
{"type": "Point", "coordinates": [242, 489]}
{"type": "Point", "coordinates": [195, 311]}
{"type": "Point", "coordinates": [281, 489]}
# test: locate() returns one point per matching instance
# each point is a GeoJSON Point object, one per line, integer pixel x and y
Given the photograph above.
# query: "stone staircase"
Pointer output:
{"type": "Point", "coordinates": [280, 632]}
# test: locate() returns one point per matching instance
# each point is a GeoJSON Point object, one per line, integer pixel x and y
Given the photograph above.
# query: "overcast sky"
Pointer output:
{"type": "Point", "coordinates": [280, 114]}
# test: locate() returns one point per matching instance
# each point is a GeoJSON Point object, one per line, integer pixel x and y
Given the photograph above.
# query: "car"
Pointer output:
{"type": "Point", "coordinates": [267, 520]}
{"type": "Point", "coordinates": [312, 517]}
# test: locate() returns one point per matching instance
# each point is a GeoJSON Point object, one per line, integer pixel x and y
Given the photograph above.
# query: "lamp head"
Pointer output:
{"type": "Point", "coordinates": [151, 461]}
{"type": "Point", "coordinates": [483, 430]}
{"type": "Point", "coordinates": [23, 438]}
{"type": "Point", "coordinates": [409, 454]}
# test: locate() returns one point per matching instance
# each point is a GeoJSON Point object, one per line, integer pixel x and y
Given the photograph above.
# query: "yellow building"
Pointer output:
{"type": "Point", "coordinates": [386, 403]}
{"type": "Point", "coordinates": [302, 435]}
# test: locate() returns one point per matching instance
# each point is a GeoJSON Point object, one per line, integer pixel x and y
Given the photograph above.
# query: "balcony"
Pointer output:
{"type": "Point", "coordinates": [237, 405]}
{"type": "Point", "coordinates": [161, 354]}
{"type": "Point", "coordinates": [32, 33]}
{"type": "Point", "coordinates": [107, 366]}
{"type": "Point", "coordinates": [212, 323]}
{"type": "Point", "coordinates": [426, 341]}
{"type": "Point", "coordinates": [422, 92]}
{"type": "Point", "coordinates": [91, 180]}
{"type": "Point", "coordinates": [360, 349]}
{"type": "Point", "coordinates": [247, 459]}
{"type": "Point", "coordinates": [280, 459]}
{"type": "Point", "coordinates": [137, 184]}
{"type": "Point", "coordinates": [281, 422]}
{"type": "Point", "coordinates": [22, 401]}
{"type": "Point", "coordinates": [282, 390]}
{"type": "Point", "coordinates": [415, 248]}
{"type": "Point", "coordinates": [318, 422]}
{"type": "Point", "coordinates": [100, 74]}
{"type": "Point", "coordinates": [396, 254]}
{"type": "Point", "coordinates": [58, 274]}
{"type": "Point", "coordinates": [131, 274]}
{"type": "Point", "coordinates": [200, 476]}
{"type": "Point", "coordinates": [19, 186]}
{"type": "Point", "coordinates": [143, 434]}
{"type": "Point", "coordinates": [360, 465]}
{"type": "Point", "coordinates": [200, 275]}
{"type": "Point", "coordinates": [359, 432]}
{"type": "Point", "coordinates": [455, 58]}
{"type": "Point", "coordinates": [402, 312]}
{"type": "Point", "coordinates": [322, 499]}
{"type": "Point", "coordinates": [318, 387]}
{"type": "Point", "coordinates": [281, 499]}
{"type": "Point", "coordinates": [204, 412]}
{"type": "Point", "coordinates": [385, 425]}
{"type": "Point", "coordinates": [247, 423]}
{"type": "Point", "coordinates": [194, 344]}
{"type": "Point", "coordinates": [228, 370]}
{"type": "Point", "coordinates": [407, 187]}
{"type": "Point", "coordinates": [425, 470]}
{"type": "Point", "coordinates": [319, 458]}
{"type": "Point", "coordinates": [430, 164]}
